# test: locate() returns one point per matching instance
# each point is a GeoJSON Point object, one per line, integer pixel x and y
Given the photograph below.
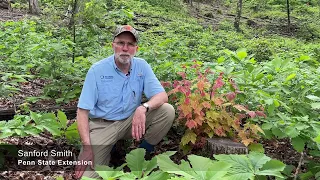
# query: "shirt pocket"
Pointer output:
{"type": "Point", "coordinates": [137, 88]}
{"type": "Point", "coordinates": [108, 93]}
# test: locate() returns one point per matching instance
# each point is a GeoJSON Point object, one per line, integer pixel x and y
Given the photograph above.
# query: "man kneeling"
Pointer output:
{"type": "Point", "coordinates": [110, 109]}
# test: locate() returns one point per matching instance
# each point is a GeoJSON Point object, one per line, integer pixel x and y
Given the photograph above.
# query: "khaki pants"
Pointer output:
{"type": "Point", "coordinates": [104, 134]}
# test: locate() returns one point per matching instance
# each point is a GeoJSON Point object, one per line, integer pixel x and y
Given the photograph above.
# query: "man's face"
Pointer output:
{"type": "Point", "coordinates": [124, 47]}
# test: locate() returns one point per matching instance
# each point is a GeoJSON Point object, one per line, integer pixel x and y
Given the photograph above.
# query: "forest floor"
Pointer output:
{"type": "Point", "coordinates": [14, 15]}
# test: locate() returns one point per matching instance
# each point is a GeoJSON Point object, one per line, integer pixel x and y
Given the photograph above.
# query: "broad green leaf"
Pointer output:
{"type": "Point", "coordinates": [73, 126]}
{"type": "Point", "coordinates": [52, 128]}
{"type": "Point", "coordinates": [301, 126]}
{"type": "Point", "coordinates": [317, 175]}
{"type": "Point", "coordinates": [272, 166]}
{"type": "Point", "coordinates": [18, 131]}
{"type": "Point", "coordinates": [6, 134]}
{"type": "Point", "coordinates": [242, 54]}
{"type": "Point", "coordinates": [315, 105]}
{"type": "Point", "coordinates": [178, 178]}
{"type": "Point", "coordinates": [49, 116]}
{"type": "Point", "coordinates": [269, 101]}
{"type": "Point", "coordinates": [258, 77]}
{"type": "Point", "coordinates": [313, 98]}
{"type": "Point", "coordinates": [217, 170]}
{"type": "Point", "coordinates": [229, 70]}
{"type": "Point", "coordinates": [60, 100]}
{"type": "Point", "coordinates": [200, 164]}
{"type": "Point", "coordinates": [276, 103]}
{"type": "Point", "coordinates": [72, 135]}
{"type": "Point", "coordinates": [304, 58]}
{"type": "Point", "coordinates": [317, 139]}
{"type": "Point", "coordinates": [169, 153]}
{"type": "Point", "coordinates": [127, 176]}
{"type": "Point", "coordinates": [239, 163]}
{"type": "Point", "coordinates": [150, 165]}
{"type": "Point", "coordinates": [271, 109]}
{"type": "Point", "coordinates": [221, 59]}
{"type": "Point", "coordinates": [257, 147]}
{"type": "Point", "coordinates": [220, 68]}
{"type": "Point", "coordinates": [135, 160]}
{"type": "Point", "coordinates": [276, 64]}
{"type": "Point", "coordinates": [314, 153]}
{"type": "Point", "coordinates": [266, 126]}
{"type": "Point", "coordinates": [167, 165]}
{"type": "Point", "coordinates": [107, 172]}
{"type": "Point", "coordinates": [298, 144]}
{"type": "Point", "coordinates": [32, 131]}
{"type": "Point", "coordinates": [292, 132]}
{"type": "Point", "coordinates": [120, 168]}
{"type": "Point", "coordinates": [62, 118]}
{"type": "Point", "coordinates": [316, 126]}
{"type": "Point", "coordinates": [40, 127]}
{"type": "Point", "coordinates": [277, 132]}
{"type": "Point", "coordinates": [258, 160]}
{"type": "Point", "coordinates": [157, 175]}
{"type": "Point", "coordinates": [2, 124]}
{"type": "Point", "coordinates": [35, 117]}
{"type": "Point", "coordinates": [242, 176]}
{"type": "Point", "coordinates": [269, 173]}
{"type": "Point", "coordinates": [306, 176]}
{"type": "Point", "coordinates": [288, 169]}
{"type": "Point", "coordinates": [291, 76]}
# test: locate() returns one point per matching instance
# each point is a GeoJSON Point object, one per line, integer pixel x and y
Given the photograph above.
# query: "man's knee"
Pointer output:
{"type": "Point", "coordinates": [169, 111]}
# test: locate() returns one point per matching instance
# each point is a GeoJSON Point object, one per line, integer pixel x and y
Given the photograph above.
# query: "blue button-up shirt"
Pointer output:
{"type": "Point", "coordinates": [109, 94]}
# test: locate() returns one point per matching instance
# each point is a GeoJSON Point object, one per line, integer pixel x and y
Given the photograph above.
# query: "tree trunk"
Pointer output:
{"type": "Point", "coordinates": [73, 25]}
{"type": "Point", "coordinates": [288, 12]}
{"type": "Point", "coordinates": [238, 16]}
{"type": "Point", "coordinates": [319, 7]}
{"type": "Point", "coordinates": [34, 7]}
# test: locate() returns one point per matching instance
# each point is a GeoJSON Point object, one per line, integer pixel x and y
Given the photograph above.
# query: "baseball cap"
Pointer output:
{"type": "Point", "coordinates": [126, 28]}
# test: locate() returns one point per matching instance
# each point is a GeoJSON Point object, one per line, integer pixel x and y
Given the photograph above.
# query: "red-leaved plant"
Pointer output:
{"type": "Point", "coordinates": [207, 112]}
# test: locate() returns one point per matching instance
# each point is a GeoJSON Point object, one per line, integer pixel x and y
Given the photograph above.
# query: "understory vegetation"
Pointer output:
{"type": "Point", "coordinates": [257, 84]}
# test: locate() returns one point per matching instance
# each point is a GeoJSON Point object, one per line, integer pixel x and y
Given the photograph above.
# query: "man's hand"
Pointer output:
{"type": "Point", "coordinates": [139, 123]}
{"type": "Point", "coordinates": [86, 155]}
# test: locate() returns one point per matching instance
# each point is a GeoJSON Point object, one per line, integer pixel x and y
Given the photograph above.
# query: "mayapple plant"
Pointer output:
{"type": "Point", "coordinates": [208, 108]}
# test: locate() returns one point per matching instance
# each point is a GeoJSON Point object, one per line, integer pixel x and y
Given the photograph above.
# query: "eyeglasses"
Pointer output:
{"type": "Point", "coordinates": [122, 44]}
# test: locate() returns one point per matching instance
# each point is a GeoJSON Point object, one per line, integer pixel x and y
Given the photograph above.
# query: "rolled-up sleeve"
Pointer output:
{"type": "Point", "coordinates": [89, 93]}
{"type": "Point", "coordinates": [152, 85]}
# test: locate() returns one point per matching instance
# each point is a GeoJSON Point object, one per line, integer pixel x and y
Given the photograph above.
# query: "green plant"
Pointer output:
{"type": "Point", "coordinates": [56, 125]}
{"type": "Point", "coordinates": [139, 167]}
{"type": "Point", "coordinates": [225, 167]}
{"type": "Point", "coordinates": [207, 107]}
{"type": "Point", "coordinates": [9, 85]}
{"type": "Point", "coordinates": [313, 171]}
{"type": "Point", "coordinates": [196, 168]}
{"type": "Point", "coordinates": [34, 124]}
{"type": "Point", "coordinates": [251, 166]}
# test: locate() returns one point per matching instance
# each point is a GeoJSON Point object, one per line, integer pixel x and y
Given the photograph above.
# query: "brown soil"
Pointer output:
{"type": "Point", "coordinates": [14, 15]}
